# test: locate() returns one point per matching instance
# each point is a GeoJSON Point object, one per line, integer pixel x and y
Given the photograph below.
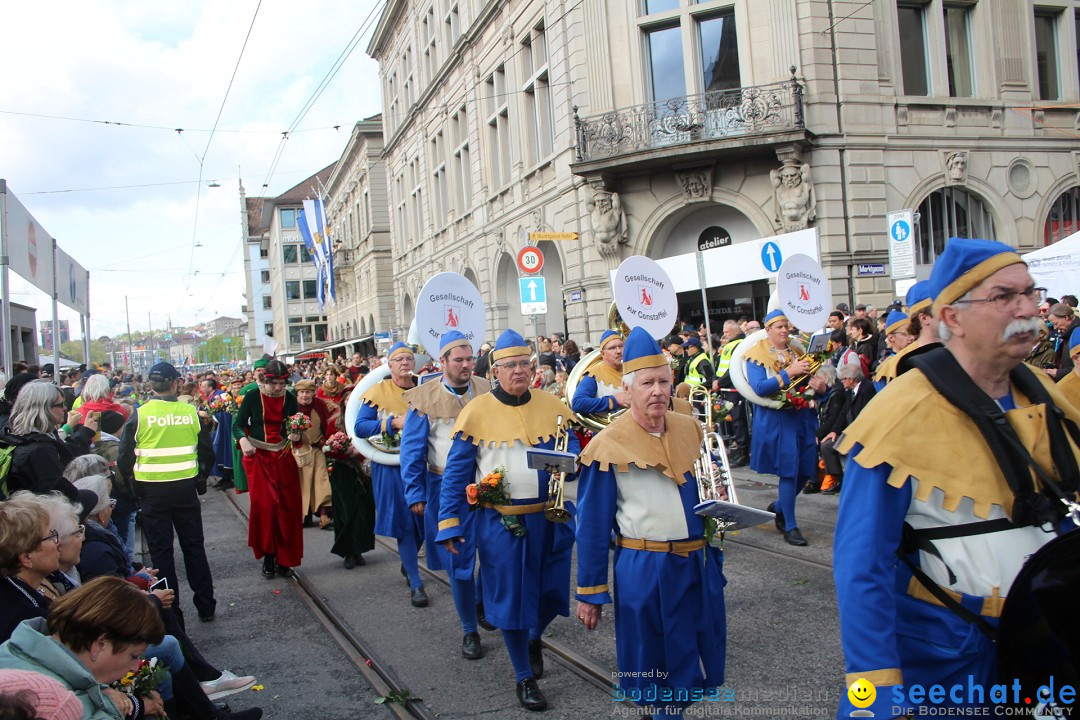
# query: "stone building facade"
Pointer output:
{"type": "Point", "coordinates": [650, 126]}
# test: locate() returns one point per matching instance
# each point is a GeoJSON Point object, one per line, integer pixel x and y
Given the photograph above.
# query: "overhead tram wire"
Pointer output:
{"type": "Point", "coordinates": [173, 128]}
{"type": "Point", "coordinates": [323, 84]}
{"type": "Point", "coordinates": [206, 149]}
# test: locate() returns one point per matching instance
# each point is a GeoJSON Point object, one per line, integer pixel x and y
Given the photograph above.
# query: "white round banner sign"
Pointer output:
{"type": "Point", "coordinates": [803, 292]}
{"type": "Point", "coordinates": [448, 301]}
{"type": "Point", "coordinates": [645, 296]}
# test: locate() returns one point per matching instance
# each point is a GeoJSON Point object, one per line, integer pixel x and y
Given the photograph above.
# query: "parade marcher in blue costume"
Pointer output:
{"type": "Point", "coordinates": [600, 388]}
{"type": "Point", "coordinates": [899, 338]}
{"type": "Point", "coordinates": [783, 442]}
{"type": "Point", "coordinates": [921, 477]}
{"type": "Point", "coordinates": [1070, 385]}
{"type": "Point", "coordinates": [637, 479]}
{"type": "Point", "coordinates": [383, 411]}
{"type": "Point", "coordinates": [425, 443]}
{"type": "Point", "coordinates": [524, 559]}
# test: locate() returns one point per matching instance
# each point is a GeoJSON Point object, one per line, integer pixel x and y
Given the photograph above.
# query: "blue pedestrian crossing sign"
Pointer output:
{"type": "Point", "coordinates": [771, 257]}
{"type": "Point", "coordinates": [533, 290]}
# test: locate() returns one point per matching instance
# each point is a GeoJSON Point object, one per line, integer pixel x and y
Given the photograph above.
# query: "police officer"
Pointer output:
{"type": "Point", "coordinates": [699, 371]}
{"type": "Point", "coordinates": [166, 450]}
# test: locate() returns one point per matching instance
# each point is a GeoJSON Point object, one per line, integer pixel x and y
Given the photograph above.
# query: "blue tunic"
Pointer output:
{"type": "Point", "coordinates": [585, 398]}
{"type": "Point", "coordinates": [392, 516]}
{"type": "Point", "coordinates": [223, 441]}
{"type": "Point", "coordinates": [526, 580]}
{"type": "Point", "coordinates": [669, 610]}
{"type": "Point", "coordinates": [783, 442]}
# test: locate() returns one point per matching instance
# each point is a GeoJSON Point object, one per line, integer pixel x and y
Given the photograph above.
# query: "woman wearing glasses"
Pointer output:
{"type": "Point", "coordinates": [29, 552]}
{"type": "Point", "coordinates": [40, 455]}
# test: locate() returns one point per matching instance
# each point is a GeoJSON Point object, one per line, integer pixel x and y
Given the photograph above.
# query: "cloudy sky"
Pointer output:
{"type": "Point", "coordinates": [171, 244]}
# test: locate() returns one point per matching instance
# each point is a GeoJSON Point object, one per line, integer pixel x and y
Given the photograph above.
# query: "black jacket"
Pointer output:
{"type": "Point", "coordinates": [39, 460]}
{"type": "Point", "coordinates": [863, 395]}
{"type": "Point", "coordinates": [18, 602]}
{"type": "Point", "coordinates": [102, 554]}
{"type": "Point", "coordinates": [832, 412]}
{"type": "Point", "coordinates": [1064, 359]}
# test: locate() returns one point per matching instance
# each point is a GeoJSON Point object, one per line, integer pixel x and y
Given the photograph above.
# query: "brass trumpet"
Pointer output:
{"type": "Point", "coordinates": [556, 511]}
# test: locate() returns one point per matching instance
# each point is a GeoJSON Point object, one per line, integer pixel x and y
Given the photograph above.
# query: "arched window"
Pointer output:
{"type": "Point", "coordinates": [951, 212]}
{"type": "Point", "coordinates": [1064, 217]}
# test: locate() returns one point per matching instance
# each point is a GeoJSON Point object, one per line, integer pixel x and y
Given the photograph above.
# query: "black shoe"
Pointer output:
{"type": "Point", "coordinates": [350, 562]}
{"type": "Point", "coordinates": [471, 647]}
{"type": "Point", "coordinates": [738, 461]}
{"type": "Point", "coordinates": [268, 566]}
{"type": "Point", "coordinates": [834, 490]}
{"type": "Point", "coordinates": [419, 597]}
{"type": "Point", "coordinates": [207, 618]}
{"type": "Point", "coordinates": [224, 485]}
{"type": "Point", "coordinates": [481, 619]}
{"type": "Point", "coordinates": [220, 707]}
{"type": "Point", "coordinates": [811, 488]}
{"type": "Point", "coordinates": [308, 522]}
{"type": "Point", "coordinates": [285, 572]}
{"type": "Point", "coordinates": [360, 560]}
{"type": "Point", "coordinates": [794, 537]}
{"type": "Point", "coordinates": [529, 695]}
{"type": "Point", "coordinates": [779, 519]}
{"type": "Point", "coordinates": [536, 658]}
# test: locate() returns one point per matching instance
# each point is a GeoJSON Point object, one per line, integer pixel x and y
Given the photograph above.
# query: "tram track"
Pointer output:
{"type": "Point", "coordinates": [375, 671]}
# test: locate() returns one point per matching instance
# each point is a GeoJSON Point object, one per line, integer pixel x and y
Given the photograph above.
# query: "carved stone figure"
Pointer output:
{"type": "Point", "coordinates": [956, 167]}
{"type": "Point", "coordinates": [696, 184]}
{"type": "Point", "coordinates": [608, 221]}
{"type": "Point", "coordinates": [793, 191]}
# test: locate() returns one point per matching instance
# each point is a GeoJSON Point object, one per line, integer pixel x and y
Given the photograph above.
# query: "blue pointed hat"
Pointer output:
{"type": "Point", "coordinates": [918, 298]}
{"type": "Point", "coordinates": [607, 337]}
{"type": "Point", "coordinates": [397, 349]}
{"type": "Point", "coordinates": [509, 344]}
{"type": "Point", "coordinates": [964, 264]}
{"type": "Point", "coordinates": [896, 321]}
{"type": "Point", "coordinates": [774, 316]}
{"type": "Point", "coordinates": [641, 351]}
{"type": "Point", "coordinates": [452, 339]}
{"type": "Point", "coordinates": [1074, 344]}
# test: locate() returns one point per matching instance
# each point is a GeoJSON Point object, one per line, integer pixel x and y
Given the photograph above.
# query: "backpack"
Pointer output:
{"type": "Point", "coordinates": [6, 454]}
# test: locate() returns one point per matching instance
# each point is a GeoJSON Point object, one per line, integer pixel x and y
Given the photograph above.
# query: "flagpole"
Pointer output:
{"type": "Point", "coordinates": [5, 290]}
{"type": "Point", "coordinates": [56, 319]}
{"type": "Point", "coordinates": [86, 321]}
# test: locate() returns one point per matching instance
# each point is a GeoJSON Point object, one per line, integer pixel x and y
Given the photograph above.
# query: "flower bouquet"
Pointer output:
{"type": "Point", "coordinates": [337, 444]}
{"type": "Point", "coordinates": [143, 681]}
{"type": "Point", "coordinates": [490, 491]}
{"type": "Point", "coordinates": [223, 403]}
{"type": "Point", "coordinates": [297, 423]}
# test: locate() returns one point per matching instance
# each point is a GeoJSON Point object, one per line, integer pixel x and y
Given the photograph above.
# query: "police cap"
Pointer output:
{"type": "Point", "coordinates": [164, 371]}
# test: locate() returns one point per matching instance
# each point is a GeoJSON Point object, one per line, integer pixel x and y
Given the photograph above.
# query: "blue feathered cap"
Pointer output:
{"type": "Point", "coordinates": [397, 349]}
{"type": "Point", "coordinates": [452, 339]}
{"type": "Point", "coordinates": [509, 344]}
{"type": "Point", "coordinates": [641, 351]}
{"type": "Point", "coordinates": [918, 298]}
{"type": "Point", "coordinates": [1074, 345]}
{"type": "Point", "coordinates": [896, 321]}
{"type": "Point", "coordinates": [963, 265]}
{"type": "Point", "coordinates": [608, 335]}
{"type": "Point", "coordinates": [774, 316]}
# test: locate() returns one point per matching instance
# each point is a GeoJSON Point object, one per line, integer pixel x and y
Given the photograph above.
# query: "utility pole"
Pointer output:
{"type": "Point", "coordinates": [127, 342]}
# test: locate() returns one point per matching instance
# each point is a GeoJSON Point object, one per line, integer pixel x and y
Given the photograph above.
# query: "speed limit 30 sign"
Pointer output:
{"type": "Point", "coordinates": [530, 260]}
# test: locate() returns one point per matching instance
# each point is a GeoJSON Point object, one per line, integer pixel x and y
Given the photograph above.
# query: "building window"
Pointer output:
{"type": "Point", "coordinates": [1046, 55]}
{"type": "Point", "coordinates": [367, 210]}
{"type": "Point", "coordinates": [416, 178]}
{"type": "Point", "coordinates": [719, 52]}
{"type": "Point", "coordinates": [951, 212]}
{"type": "Point", "coordinates": [429, 33]}
{"type": "Point", "coordinates": [267, 302]}
{"type": "Point", "coordinates": [958, 50]}
{"type": "Point", "coordinates": [452, 25]}
{"type": "Point", "coordinates": [402, 212]}
{"type": "Point", "coordinates": [309, 290]}
{"type": "Point", "coordinates": [320, 333]}
{"type": "Point", "coordinates": [292, 290]}
{"type": "Point", "coordinates": [264, 276]}
{"type": "Point", "coordinates": [263, 253]}
{"type": "Point", "coordinates": [1064, 217]}
{"type": "Point", "coordinates": [393, 108]}
{"type": "Point", "coordinates": [289, 254]}
{"type": "Point", "coordinates": [913, 65]}
{"type": "Point", "coordinates": [268, 329]}
{"type": "Point", "coordinates": [666, 76]}
{"type": "Point", "coordinates": [537, 94]}
{"type": "Point", "coordinates": [300, 335]}
{"type": "Point", "coordinates": [498, 122]}
{"type": "Point", "coordinates": [659, 6]}
{"type": "Point", "coordinates": [407, 85]}
{"type": "Point", "coordinates": [462, 167]}
{"type": "Point", "coordinates": [439, 191]}
{"type": "Point", "coordinates": [305, 254]}
{"type": "Point", "coordinates": [288, 217]}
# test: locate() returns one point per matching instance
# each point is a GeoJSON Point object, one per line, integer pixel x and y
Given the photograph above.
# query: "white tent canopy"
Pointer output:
{"type": "Point", "coordinates": [44, 360]}
{"type": "Point", "coordinates": [1057, 267]}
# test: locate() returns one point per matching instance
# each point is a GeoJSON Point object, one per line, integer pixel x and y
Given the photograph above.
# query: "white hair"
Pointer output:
{"type": "Point", "coordinates": [32, 410]}
{"type": "Point", "coordinates": [100, 486]}
{"type": "Point", "coordinates": [944, 334]}
{"type": "Point", "coordinates": [827, 373]}
{"type": "Point", "coordinates": [85, 465]}
{"type": "Point", "coordinates": [63, 514]}
{"type": "Point", "coordinates": [851, 371]}
{"type": "Point", "coordinates": [628, 380]}
{"type": "Point", "coordinates": [96, 388]}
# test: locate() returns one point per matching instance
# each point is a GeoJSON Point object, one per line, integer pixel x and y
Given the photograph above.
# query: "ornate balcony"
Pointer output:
{"type": "Point", "coordinates": [343, 258]}
{"type": "Point", "coordinates": [759, 115]}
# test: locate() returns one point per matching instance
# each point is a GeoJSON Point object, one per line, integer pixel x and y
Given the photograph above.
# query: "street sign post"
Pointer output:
{"type": "Point", "coordinates": [530, 260]}
{"type": "Point", "coordinates": [533, 292]}
{"type": "Point", "coordinates": [901, 244]}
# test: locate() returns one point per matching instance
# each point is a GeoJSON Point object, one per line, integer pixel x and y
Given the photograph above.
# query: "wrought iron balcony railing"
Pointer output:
{"type": "Point", "coordinates": [713, 115]}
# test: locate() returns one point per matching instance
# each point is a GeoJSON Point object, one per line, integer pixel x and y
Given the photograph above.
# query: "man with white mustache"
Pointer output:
{"type": "Point", "coordinates": [958, 506]}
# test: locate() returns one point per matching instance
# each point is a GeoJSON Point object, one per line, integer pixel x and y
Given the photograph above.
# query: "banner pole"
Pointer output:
{"type": "Point", "coordinates": [86, 323]}
{"type": "Point", "coordinates": [5, 290]}
{"type": "Point", "coordinates": [56, 319]}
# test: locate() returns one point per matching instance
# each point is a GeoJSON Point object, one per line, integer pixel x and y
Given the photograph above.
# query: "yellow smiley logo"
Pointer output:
{"type": "Point", "coordinates": [862, 693]}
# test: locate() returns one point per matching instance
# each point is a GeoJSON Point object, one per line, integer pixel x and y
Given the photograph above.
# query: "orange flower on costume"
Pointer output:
{"type": "Point", "coordinates": [491, 480]}
{"type": "Point", "coordinates": [472, 493]}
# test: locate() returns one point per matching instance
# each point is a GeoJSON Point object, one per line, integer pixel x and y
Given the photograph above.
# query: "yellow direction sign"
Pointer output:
{"type": "Point", "coordinates": [538, 236]}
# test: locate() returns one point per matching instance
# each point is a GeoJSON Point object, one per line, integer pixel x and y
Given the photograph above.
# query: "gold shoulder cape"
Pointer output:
{"type": "Point", "coordinates": [1070, 388]}
{"type": "Point", "coordinates": [764, 354]}
{"type": "Point", "coordinates": [385, 395]}
{"type": "Point", "coordinates": [433, 400]}
{"type": "Point", "coordinates": [681, 406]}
{"type": "Point", "coordinates": [624, 443]}
{"type": "Point", "coordinates": [913, 428]}
{"type": "Point", "coordinates": [605, 373]}
{"type": "Point", "coordinates": [486, 421]}
{"type": "Point", "coordinates": [887, 369]}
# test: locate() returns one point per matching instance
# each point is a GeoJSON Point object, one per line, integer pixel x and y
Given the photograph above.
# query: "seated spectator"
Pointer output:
{"type": "Point", "coordinates": [832, 419]}
{"type": "Point", "coordinates": [103, 462]}
{"type": "Point", "coordinates": [34, 696]}
{"type": "Point", "coordinates": [40, 456]}
{"type": "Point", "coordinates": [97, 396]}
{"type": "Point", "coordinates": [859, 392]}
{"type": "Point", "coordinates": [29, 553]}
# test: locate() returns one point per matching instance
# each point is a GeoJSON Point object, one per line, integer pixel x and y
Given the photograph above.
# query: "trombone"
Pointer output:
{"type": "Point", "coordinates": [556, 511]}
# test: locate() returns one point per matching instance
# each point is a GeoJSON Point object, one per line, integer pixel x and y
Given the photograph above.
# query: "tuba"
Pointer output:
{"type": "Point", "coordinates": [556, 511]}
{"type": "Point", "coordinates": [594, 421]}
{"type": "Point", "coordinates": [372, 448]}
{"type": "Point", "coordinates": [737, 370]}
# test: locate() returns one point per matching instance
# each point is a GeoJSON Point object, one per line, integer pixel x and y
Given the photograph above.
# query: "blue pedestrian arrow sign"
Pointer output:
{"type": "Point", "coordinates": [771, 257]}
{"type": "Point", "coordinates": [533, 292]}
